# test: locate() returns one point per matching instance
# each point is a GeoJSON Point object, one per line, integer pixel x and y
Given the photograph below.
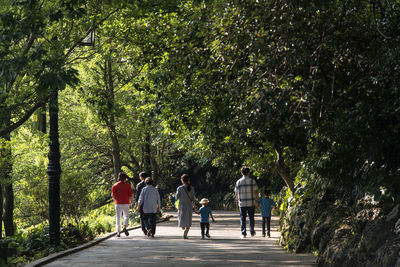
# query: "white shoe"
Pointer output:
{"type": "Point", "coordinates": [242, 236]}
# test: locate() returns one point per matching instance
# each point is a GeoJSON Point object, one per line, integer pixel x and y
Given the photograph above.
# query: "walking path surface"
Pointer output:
{"type": "Point", "coordinates": [224, 248]}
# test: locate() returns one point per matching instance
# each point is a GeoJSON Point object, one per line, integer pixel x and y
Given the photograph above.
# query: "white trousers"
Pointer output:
{"type": "Point", "coordinates": [122, 210]}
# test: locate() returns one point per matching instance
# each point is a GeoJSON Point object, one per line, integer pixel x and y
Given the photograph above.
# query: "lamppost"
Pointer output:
{"type": "Point", "coordinates": [54, 171]}
{"type": "Point", "coordinates": [89, 39]}
{"type": "Point", "coordinates": [54, 166]}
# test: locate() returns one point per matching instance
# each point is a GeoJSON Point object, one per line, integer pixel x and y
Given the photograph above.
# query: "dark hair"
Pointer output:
{"type": "Point", "coordinates": [266, 192]}
{"type": "Point", "coordinates": [122, 177]}
{"type": "Point", "coordinates": [245, 170]}
{"type": "Point", "coordinates": [186, 179]}
{"type": "Point", "coordinates": [143, 175]}
{"type": "Point", "coordinates": [148, 181]}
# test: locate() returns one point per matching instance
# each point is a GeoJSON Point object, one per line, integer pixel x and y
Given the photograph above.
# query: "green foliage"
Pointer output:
{"type": "Point", "coordinates": [299, 76]}
{"type": "Point", "coordinates": [30, 179]}
{"type": "Point", "coordinates": [33, 242]}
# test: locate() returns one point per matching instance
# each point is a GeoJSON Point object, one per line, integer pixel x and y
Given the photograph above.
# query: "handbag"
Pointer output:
{"type": "Point", "coordinates": [177, 203]}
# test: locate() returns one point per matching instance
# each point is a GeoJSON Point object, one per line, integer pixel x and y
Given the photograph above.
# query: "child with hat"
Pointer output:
{"type": "Point", "coordinates": [205, 213]}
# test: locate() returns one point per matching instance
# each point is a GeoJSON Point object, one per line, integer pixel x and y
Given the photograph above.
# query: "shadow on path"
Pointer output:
{"type": "Point", "coordinates": [224, 248]}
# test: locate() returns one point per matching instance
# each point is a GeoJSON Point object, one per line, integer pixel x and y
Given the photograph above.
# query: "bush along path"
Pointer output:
{"type": "Point", "coordinates": [343, 235]}
{"type": "Point", "coordinates": [168, 248]}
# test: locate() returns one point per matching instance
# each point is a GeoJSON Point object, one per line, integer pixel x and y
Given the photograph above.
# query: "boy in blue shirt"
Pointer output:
{"type": "Point", "coordinates": [266, 207]}
{"type": "Point", "coordinates": [205, 213]}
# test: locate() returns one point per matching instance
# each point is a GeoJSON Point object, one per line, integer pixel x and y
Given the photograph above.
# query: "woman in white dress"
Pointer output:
{"type": "Point", "coordinates": [187, 200]}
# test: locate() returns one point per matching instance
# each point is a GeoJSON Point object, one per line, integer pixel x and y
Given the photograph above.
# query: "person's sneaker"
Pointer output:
{"type": "Point", "coordinates": [149, 232]}
{"type": "Point", "coordinates": [263, 235]}
{"type": "Point", "coordinates": [208, 235]}
{"type": "Point", "coordinates": [269, 235]}
{"type": "Point", "coordinates": [126, 231]}
{"type": "Point", "coordinates": [242, 236]}
{"type": "Point", "coordinates": [118, 235]}
{"type": "Point", "coordinates": [202, 237]}
{"type": "Point", "coordinates": [253, 234]}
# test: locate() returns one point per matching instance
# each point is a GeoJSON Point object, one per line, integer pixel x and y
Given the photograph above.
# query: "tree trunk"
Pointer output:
{"type": "Point", "coordinates": [283, 170]}
{"type": "Point", "coordinates": [8, 216]}
{"type": "Point", "coordinates": [6, 179]}
{"type": "Point", "coordinates": [156, 169]}
{"type": "Point", "coordinates": [1, 211]}
{"type": "Point", "coordinates": [116, 152]}
{"type": "Point", "coordinates": [147, 154]}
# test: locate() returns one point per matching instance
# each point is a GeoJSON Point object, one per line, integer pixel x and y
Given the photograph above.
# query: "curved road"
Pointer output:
{"type": "Point", "coordinates": [224, 248]}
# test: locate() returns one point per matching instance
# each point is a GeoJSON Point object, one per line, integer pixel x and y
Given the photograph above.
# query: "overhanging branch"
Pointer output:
{"type": "Point", "coordinates": [21, 121]}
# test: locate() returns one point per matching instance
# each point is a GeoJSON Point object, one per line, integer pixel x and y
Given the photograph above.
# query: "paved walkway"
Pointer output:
{"type": "Point", "coordinates": [224, 248]}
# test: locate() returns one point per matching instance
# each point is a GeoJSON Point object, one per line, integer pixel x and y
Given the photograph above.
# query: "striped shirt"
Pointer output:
{"type": "Point", "coordinates": [246, 189]}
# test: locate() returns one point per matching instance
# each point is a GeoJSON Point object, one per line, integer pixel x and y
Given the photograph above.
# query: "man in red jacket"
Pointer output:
{"type": "Point", "coordinates": [122, 195]}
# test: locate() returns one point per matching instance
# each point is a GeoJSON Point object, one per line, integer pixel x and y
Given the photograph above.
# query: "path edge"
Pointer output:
{"type": "Point", "coordinates": [55, 256]}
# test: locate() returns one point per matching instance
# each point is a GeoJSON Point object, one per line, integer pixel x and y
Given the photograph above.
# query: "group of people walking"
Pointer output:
{"type": "Point", "coordinates": [148, 203]}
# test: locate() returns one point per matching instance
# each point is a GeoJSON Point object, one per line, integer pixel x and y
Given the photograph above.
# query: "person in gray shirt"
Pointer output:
{"type": "Point", "coordinates": [149, 200]}
{"type": "Point", "coordinates": [139, 188]}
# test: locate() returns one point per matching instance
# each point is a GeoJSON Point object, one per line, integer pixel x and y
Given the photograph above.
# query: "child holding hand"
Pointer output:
{"type": "Point", "coordinates": [205, 213]}
{"type": "Point", "coordinates": [266, 206]}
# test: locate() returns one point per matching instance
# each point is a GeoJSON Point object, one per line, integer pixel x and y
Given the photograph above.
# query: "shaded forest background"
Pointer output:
{"type": "Point", "coordinates": [305, 93]}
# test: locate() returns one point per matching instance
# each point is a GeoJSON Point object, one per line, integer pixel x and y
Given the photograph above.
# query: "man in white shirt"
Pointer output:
{"type": "Point", "coordinates": [246, 192]}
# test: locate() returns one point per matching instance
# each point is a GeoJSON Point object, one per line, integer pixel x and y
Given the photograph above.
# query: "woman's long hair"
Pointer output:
{"type": "Point", "coordinates": [186, 179]}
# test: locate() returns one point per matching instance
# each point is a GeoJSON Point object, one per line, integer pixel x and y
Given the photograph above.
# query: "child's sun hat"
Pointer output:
{"type": "Point", "coordinates": [204, 201]}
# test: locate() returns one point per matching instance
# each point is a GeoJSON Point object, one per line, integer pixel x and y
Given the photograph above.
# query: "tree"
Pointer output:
{"type": "Point", "coordinates": [35, 52]}
{"type": "Point", "coordinates": [284, 78]}
{"type": "Point", "coordinates": [116, 85]}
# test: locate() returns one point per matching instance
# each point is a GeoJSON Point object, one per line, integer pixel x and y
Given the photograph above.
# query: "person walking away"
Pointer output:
{"type": "Point", "coordinates": [246, 193]}
{"type": "Point", "coordinates": [160, 191]}
{"type": "Point", "coordinates": [205, 213]}
{"type": "Point", "coordinates": [185, 194]}
{"type": "Point", "coordinates": [150, 202]}
{"type": "Point", "coordinates": [139, 188]}
{"type": "Point", "coordinates": [122, 194]}
{"type": "Point", "coordinates": [266, 206]}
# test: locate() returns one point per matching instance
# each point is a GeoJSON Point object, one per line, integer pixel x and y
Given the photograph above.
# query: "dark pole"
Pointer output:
{"type": "Point", "coordinates": [54, 172]}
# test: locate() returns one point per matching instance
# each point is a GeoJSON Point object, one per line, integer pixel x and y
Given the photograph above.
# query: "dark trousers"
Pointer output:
{"type": "Point", "coordinates": [203, 227]}
{"type": "Point", "coordinates": [268, 221]}
{"type": "Point", "coordinates": [243, 214]}
{"type": "Point", "coordinates": [150, 222]}
{"type": "Point", "coordinates": [142, 221]}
